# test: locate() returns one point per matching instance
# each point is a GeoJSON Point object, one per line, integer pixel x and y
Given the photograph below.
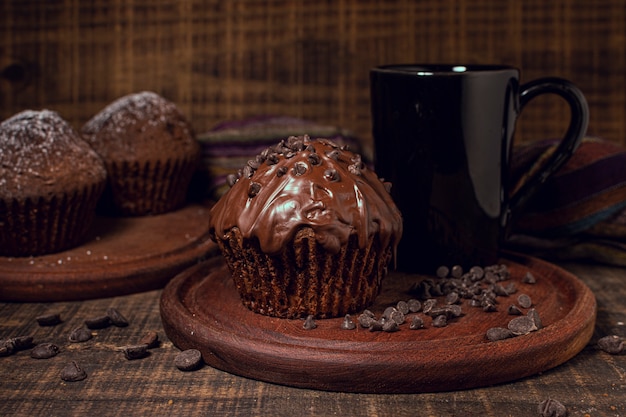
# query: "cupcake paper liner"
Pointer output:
{"type": "Point", "coordinates": [305, 279]}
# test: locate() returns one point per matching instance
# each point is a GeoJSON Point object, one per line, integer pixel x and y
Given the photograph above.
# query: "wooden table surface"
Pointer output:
{"type": "Point", "coordinates": [593, 383]}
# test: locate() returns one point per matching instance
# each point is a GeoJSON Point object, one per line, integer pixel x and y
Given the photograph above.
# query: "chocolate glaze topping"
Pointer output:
{"type": "Point", "coordinates": [314, 183]}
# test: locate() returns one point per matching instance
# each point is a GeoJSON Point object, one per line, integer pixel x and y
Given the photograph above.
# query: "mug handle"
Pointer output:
{"type": "Point", "coordinates": [568, 145]}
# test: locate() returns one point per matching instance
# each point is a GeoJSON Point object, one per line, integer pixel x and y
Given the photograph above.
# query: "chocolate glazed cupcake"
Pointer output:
{"type": "Point", "coordinates": [307, 229]}
{"type": "Point", "coordinates": [50, 183]}
{"type": "Point", "coordinates": [150, 153]}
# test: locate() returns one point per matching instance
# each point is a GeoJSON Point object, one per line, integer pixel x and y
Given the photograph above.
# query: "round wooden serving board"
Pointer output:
{"type": "Point", "coordinates": [201, 309]}
{"type": "Point", "coordinates": [121, 256]}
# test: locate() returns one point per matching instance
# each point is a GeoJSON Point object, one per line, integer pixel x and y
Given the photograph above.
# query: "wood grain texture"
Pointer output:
{"type": "Point", "coordinates": [228, 60]}
{"type": "Point", "coordinates": [592, 383]}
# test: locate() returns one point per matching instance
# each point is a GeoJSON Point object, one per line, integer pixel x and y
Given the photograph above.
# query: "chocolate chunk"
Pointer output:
{"type": "Point", "coordinates": [44, 351]}
{"type": "Point", "coordinates": [612, 344]}
{"type": "Point", "coordinates": [49, 319]}
{"type": "Point", "coordinates": [150, 339]}
{"type": "Point", "coordinates": [73, 373]}
{"type": "Point", "coordinates": [98, 322]}
{"type": "Point", "coordinates": [133, 352]}
{"type": "Point", "coordinates": [117, 319]}
{"type": "Point", "coordinates": [498, 333]}
{"type": "Point", "coordinates": [188, 360]}
{"type": "Point", "coordinates": [79, 335]}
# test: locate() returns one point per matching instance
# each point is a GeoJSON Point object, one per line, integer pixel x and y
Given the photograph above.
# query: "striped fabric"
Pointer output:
{"type": "Point", "coordinates": [228, 146]}
{"type": "Point", "coordinates": [580, 213]}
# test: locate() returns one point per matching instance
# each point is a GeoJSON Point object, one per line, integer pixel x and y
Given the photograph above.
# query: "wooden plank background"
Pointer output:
{"type": "Point", "coordinates": [222, 60]}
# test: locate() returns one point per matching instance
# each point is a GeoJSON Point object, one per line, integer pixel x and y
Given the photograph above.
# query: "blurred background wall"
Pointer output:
{"type": "Point", "coordinates": [223, 60]}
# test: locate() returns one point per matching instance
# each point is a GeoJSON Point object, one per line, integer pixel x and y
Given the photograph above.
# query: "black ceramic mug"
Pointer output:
{"type": "Point", "coordinates": [443, 138]}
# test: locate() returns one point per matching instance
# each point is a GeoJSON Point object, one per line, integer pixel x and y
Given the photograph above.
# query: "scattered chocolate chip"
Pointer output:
{"type": "Point", "coordinates": [117, 319]}
{"type": "Point", "coordinates": [309, 323]}
{"type": "Point", "coordinates": [365, 320]}
{"type": "Point", "coordinates": [49, 319]}
{"type": "Point", "coordinates": [440, 321]}
{"type": "Point", "coordinates": [428, 305]}
{"type": "Point", "coordinates": [452, 298]}
{"type": "Point", "coordinates": [416, 323]}
{"type": "Point", "coordinates": [498, 333]}
{"type": "Point", "coordinates": [442, 271]}
{"type": "Point", "coordinates": [73, 373]}
{"type": "Point", "coordinates": [534, 316]}
{"type": "Point", "coordinates": [22, 342]}
{"type": "Point", "coordinates": [7, 347]}
{"type": "Point", "coordinates": [44, 351]}
{"type": "Point", "coordinates": [376, 326]}
{"type": "Point", "coordinates": [514, 310]}
{"type": "Point", "coordinates": [414, 305]}
{"type": "Point", "coordinates": [524, 301]}
{"type": "Point", "coordinates": [551, 408]}
{"type": "Point", "coordinates": [79, 335]}
{"type": "Point", "coordinates": [390, 326]}
{"type": "Point", "coordinates": [188, 360]}
{"type": "Point", "coordinates": [457, 271]}
{"type": "Point", "coordinates": [150, 339]}
{"type": "Point", "coordinates": [477, 271]}
{"type": "Point", "coordinates": [133, 352]}
{"type": "Point", "coordinates": [612, 344]}
{"type": "Point", "coordinates": [522, 325]}
{"type": "Point", "coordinates": [403, 307]}
{"type": "Point", "coordinates": [98, 322]}
{"type": "Point", "coordinates": [529, 278]}
{"type": "Point", "coordinates": [347, 323]}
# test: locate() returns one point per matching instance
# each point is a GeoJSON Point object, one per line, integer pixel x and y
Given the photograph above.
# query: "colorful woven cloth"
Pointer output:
{"type": "Point", "coordinates": [228, 147]}
{"type": "Point", "coordinates": [580, 212]}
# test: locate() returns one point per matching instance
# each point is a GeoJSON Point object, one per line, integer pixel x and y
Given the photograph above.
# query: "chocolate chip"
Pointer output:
{"type": "Point", "coordinates": [428, 305]}
{"type": "Point", "coordinates": [457, 271]}
{"type": "Point", "coordinates": [514, 310]}
{"type": "Point", "coordinates": [534, 316]}
{"type": "Point", "coordinates": [529, 278]}
{"type": "Point", "coordinates": [442, 271]}
{"type": "Point", "coordinates": [281, 171]}
{"type": "Point", "coordinates": [524, 301]}
{"type": "Point", "coordinates": [414, 305]}
{"type": "Point", "coordinates": [365, 320]}
{"type": "Point", "coordinates": [117, 319]}
{"type": "Point", "coordinates": [79, 335]}
{"type": "Point", "coordinates": [403, 307]}
{"type": "Point", "coordinates": [440, 321]}
{"type": "Point", "coordinates": [416, 323]}
{"type": "Point", "coordinates": [551, 408]}
{"type": "Point", "coordinates": [315, 159]}
{"type": "Point", "coordinates": [188, 360]}
{"type": "Point", "coordinates": [150, 339]}
{"type": "Point", "coordinates": [254, 189]}
{"type": "Point", "coordinates": [99, 322]}
{"type": "Point", "coordinates": [231, 179]}
{"type": "Point", "coordinates": [332, 175]}
{"type": "Point", "coordinates": [612, 344]}
{"type": "Point", "coordinates": [347, 323]}
{"type": "Point", "coordinates": [73, 373]}
{"type": "Point", "coordinates": [498, 333]}
{"type": "Point", "coordinates": [390, 326]}
{"type": "Point", "coordinates": [376, 326]}
{"type": "Point", "coordinates": [522, 325]}
{"type": "Point", "coordinates": [334, 154]}
{"type": "Point", "coordinates": [49, 319]}
{"type": "Point", "coordinates": [309, 323]}
{"type": "Point", "coordinates": [22, 342]}
{"type": "Point", "coordinates": [44, 351]}
{"type": "Point", "coordinates": [133, 352]}
{"type": "Point", "coordinates": [7, 347]}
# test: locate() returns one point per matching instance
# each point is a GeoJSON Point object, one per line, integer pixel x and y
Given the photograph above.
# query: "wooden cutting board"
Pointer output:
{"type": "Point", "coordinates": [201, 309]}
{"type": "Point", "coordinates": [121, 256]}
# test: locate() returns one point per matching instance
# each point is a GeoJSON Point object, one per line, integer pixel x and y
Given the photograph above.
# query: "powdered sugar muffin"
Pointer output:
{"type": "Point", "coordinates": [307, 229]}
{"type": "Point", "coordinates": [150, 153]}
{"type": "Point", "coordinates": [50, 182]}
